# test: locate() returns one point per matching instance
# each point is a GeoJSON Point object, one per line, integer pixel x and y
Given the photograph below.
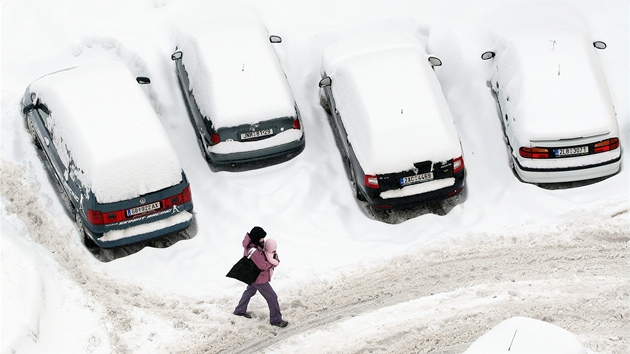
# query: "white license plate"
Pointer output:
{"type": "Point", "coordinates": [416, 179]}
{"type": "Point", "coordinates": [579, 150]}
{"type": "Point", "coordinates": [143, 209]}
{"type": "Point", "coordinates": [256, 134]}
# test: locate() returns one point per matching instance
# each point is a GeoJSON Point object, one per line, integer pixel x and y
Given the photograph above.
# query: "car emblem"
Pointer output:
{"type": "Point", "coordinates": [142, 200]}
{"type": "Point", "coordinates": [415, 170]}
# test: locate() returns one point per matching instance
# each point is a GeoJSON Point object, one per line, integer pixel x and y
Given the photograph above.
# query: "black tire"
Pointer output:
{"type": "Point", "coordinates": [87, 240]}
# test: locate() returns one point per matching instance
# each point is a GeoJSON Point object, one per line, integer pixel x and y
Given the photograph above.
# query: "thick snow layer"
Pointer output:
{"type": "Point", "coordinates": [390, 101]}
{"type": "Point", "coordinates": [234, 72]}
{"type": "Point", "coordinates": [555, 86]}
{"type": "Point", "coordinates": [103, 122]}
{"type": "Point", "coordinates": [433, 282]}
{"type": "Point", "coordinates": [523, 335]}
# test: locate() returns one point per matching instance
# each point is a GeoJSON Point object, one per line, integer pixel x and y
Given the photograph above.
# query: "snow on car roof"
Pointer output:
{"type": "Point", "coordinates": [116, 140]}
{"type": "Point", "coordinates": [234, 71]}
{"type": "Point", "coordinates": [390, 101]}
{"type": "Point", "coordinates": [556, 87]}
{"type": "Point", "coordinates": [522, 335]}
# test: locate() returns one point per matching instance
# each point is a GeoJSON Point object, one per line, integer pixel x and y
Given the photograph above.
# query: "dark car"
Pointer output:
{"type": "Point", "coordinates": [104, 145]}
{"type": "Point", "coordinates": [392, 124]}
{"type": "Point", "coordinates": [237, 95]}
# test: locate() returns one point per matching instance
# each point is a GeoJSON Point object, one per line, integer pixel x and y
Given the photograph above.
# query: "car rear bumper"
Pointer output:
{"type": "Point", "coordinates": [418, 199]}
{"type": "Point", "coordinates": [567, 174]}
{"type": "Point", "coordinates": [143, 232]}
{"type": "Point", "coordinates": [288, 150]}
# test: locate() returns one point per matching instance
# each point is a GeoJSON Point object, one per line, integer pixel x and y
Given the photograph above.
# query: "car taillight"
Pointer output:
{"type": "Point", "coordinates": [458, 164]}
{"type": "Point", "coordinates": [184, 197]}
{"type": "Point", "coordinates": [371, 181]}
{"type": "Point", "coordinates": [214, 139]}
{"type": "Point", "coordinates": [95, 217]}
{"type": "Point", "coordinates": [186, 194]}
{"type": "Point", "coordinates": [607, 145]}
{"type": "Point", "coordinates": [534, 152]}
{"type": "Point", "coordinates": [296, 124]}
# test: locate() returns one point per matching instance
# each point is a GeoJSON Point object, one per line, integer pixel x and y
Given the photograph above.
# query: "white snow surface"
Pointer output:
{"type": "Point", "coordinates": [523, 335]}
{"type": "Point", "coordinates": [391, 103]}
{"type": "Point", "coordinates": [233, 69]}
{"type": "Point", "coordinates": [104, 123]}
{"type": "Point", "coordinates": [431, 280]}
{"type": "Point", "coordinates": [553, 77]}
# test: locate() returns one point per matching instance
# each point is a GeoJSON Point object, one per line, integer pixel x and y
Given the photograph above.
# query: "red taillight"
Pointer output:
{"type": "Point", "coordinates": [371, 181]}
{"type": "Point", "coordinates": [184, 197]}
{"type": "Point", "coordinates": [458, 164]}
{"type": "Point", "coordinates": [214, 139]}
{"type": "Point", "coordinates": [607, 145]}
{"type": "Point", "coordinates": [296, 124]}
{"type": "Point", "coordinates": [186, 194]}
{"type": "Point", "coordinates": [534, 152]}
{"type": "Point", "coordinates": [95, 217]}
{"type": "Point", "coordinates": [113, 216]}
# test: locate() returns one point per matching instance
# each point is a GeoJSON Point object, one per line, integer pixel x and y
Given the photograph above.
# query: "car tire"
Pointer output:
{"type": "Point", "coordinates": [87, 240]}
{"type": "Point", "coordinates": [31, 131]}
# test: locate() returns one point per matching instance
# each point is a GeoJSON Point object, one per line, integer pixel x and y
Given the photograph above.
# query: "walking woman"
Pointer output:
{"type": "Point", "coordinates": [266, 258]}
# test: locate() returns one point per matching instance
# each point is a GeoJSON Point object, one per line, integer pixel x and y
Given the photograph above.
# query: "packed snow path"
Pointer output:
{"type": "Point", "coordinates": [574, 274]}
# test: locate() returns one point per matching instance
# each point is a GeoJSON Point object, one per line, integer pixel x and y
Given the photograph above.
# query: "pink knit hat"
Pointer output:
{"type": "Point", "coordinates": [270, 247]}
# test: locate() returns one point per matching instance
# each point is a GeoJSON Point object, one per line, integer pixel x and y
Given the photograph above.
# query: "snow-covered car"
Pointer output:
{"type": "Point", "coordinates": [557, 114]}
{"type": "Point", "coordinates": [237, 94]}
{"type": "Point", "coordinates": [524, 335]}
{"type": "Point", "coordinates": [104, 145]}
{"type": "Point", "coordinates": [390, 119]}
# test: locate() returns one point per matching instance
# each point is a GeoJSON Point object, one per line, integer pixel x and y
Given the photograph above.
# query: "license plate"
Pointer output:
{"type": "Point", "coordinates": [256, 134]}
{"type": "Point", "coordinates": [579, 150]}
{"type": "Point", "coordinates": [416, 179]}
{"type": "Point", "coordinates": [143, 209]}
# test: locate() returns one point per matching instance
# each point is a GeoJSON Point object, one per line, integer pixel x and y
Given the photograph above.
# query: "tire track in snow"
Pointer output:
{"type": "Point", "coordinates": [478, 281]}
{"type": "Point", "coordinates": [127, 311]}
{"type": "Point", "coordinates": [533, 275]}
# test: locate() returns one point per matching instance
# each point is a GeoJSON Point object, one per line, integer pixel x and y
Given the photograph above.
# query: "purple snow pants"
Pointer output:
{"type": "Point", "coordinates": [267, 292]}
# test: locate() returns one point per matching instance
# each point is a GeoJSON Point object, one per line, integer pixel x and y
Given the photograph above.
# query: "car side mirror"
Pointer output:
{"type": "Point", "coordinates": [29, 107]}
{"type": "Point", "coordinates": [599, 45]}
{"type": "Point", "coordinates": [275, 39]}
{"type": "Point", "coordinates": [435, 61]}
{"type": "Point", "coordinates": [177, 55]}
{"type": "Point", "coordinates": [487, 55]}
{"type": "Point", "coordinates": [326, 81]}
{"type": "Point", "coordinates": [143, 80]}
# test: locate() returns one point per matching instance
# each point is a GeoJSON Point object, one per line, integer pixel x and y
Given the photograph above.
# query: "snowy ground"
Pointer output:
{"type": "Point", "coordinates": [430, 280]}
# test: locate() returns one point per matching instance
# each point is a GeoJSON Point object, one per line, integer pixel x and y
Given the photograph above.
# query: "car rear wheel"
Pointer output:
{"type": "Point", "coordinates": [87, 240]}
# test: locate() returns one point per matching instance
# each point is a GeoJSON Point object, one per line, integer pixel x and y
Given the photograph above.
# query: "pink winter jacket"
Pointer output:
{"type": "Point", "coordinates": [259, 259]}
